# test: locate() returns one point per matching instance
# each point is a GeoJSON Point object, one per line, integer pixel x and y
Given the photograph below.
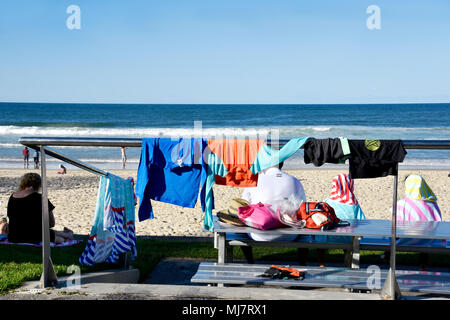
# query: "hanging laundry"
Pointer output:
{"type": "Point", "coordinates": [237, 155]}
{"type": "Point", "coordinates": [266, 157]}
{"type": "Point", "coordinates": [320, 151]}
{"type": "Point", "coordinates": [375, 158]}
{"type": "Point", "coordinates": [170, 171]}
{"type": "Point", "coordinates": [113, 231]}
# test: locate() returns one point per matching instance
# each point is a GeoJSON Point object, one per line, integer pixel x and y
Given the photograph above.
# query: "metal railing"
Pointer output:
{"type": "Point", "coordinates": [34, 142]}
{"type": "Point", "coordinates": [390, 289]}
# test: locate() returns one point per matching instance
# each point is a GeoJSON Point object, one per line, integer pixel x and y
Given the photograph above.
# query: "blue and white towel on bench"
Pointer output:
{"type": "Point", "coordinates": [113, 231]}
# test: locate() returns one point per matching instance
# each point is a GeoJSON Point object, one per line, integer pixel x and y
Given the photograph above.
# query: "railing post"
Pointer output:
{"type": "Point", "coordinates": [391, 290]}
{"type": "Point", "coordinates": [48, 278]}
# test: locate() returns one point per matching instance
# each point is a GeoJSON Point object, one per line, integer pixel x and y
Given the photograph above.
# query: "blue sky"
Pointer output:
{"type": "Point", "coordinates": [233, 51]}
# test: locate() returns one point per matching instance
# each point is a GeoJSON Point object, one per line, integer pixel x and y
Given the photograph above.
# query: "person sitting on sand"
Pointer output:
{"type": "Point", "coordinates": [63, 170]}
{"type": "Point", "coordinates": [25, 214]}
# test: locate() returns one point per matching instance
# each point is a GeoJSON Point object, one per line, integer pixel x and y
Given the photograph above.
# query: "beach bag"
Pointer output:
{"type": "Point", "coordinates": [258, 216]}
{"type": "Point", "coordinates": [318, 215]}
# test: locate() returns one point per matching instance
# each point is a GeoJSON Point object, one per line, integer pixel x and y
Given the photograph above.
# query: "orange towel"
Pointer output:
{"type": "Point", "coordinates": [238, 156]}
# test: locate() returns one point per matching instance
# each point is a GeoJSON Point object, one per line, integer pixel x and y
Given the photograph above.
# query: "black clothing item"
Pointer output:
{"type": "Point", "coordinates": [320, 151]}
{"type": "Point", "coordinates": [25, 219]}
{"type": "Point", "coordinates": [375, 158]}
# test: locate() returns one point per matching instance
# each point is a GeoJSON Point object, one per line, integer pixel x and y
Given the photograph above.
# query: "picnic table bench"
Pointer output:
{"type": "Point", "coordinates": [316, 277]}
{"type": "Point", "coordinates": [369, 234]}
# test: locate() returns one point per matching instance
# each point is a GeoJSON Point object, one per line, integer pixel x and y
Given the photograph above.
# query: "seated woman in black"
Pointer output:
{"type": "Point", "coordinates": [25, 214]}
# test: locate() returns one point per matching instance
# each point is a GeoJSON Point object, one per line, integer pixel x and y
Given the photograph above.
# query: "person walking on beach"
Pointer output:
{"type": "Point", "coordinates": [36, 159]}
{"type": "Point", "coordinates": [124, 157]}
{"type": "Point", "coordinates": [26, 157]}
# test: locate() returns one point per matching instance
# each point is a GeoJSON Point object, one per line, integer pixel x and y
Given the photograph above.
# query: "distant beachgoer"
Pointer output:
{"type": "Point", "coordinates": [36, 159]}
{"type": "Point", "coordinates": [26, 157]}
{"type": "Point", "coordinates": [124, 157]}
{"type": "Point", "coordinates": [63, 170]}
{"type": "Point", "coordinates": [25, 214]}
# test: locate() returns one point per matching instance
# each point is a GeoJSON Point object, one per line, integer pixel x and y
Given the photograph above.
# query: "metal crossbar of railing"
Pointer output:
{"type": "Point", "coordinates": [390, 289]}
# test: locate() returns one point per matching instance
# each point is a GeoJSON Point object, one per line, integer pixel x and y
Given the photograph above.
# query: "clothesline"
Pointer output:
{"type": "Point", "coordinates": [34, 142]}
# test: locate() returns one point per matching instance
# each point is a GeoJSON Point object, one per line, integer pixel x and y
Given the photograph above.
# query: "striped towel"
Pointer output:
{"type": "Point", "coordinates": [418, 205]}
{"type": "Point", "coordinates": [342, 189]}
{"type": "Point", "coordinates": [344, 203]}
{"type": "Point", "coordinates": [418, 210]}
{"type": "Point", "coordinates": [420, 202]}
{"type": "Point", "coordinates": [113, 231]}
{"type": "Point", "coordinates": [417, 189]}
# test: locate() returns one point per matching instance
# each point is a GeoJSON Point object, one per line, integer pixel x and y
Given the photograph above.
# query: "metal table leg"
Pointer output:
{"type": "Point", "coordinates": [221, 246]}
{"type": "Point", "coordinates": [356, 255]}
{"type": "Point", "coordinates": [222, 250]}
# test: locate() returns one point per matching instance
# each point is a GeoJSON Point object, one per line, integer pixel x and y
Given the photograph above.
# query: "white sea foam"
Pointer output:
{"type": "Point", "coordinates": [355, 132]}
{"type": "Point", "coordinates": [10, 148]}
{"type": "Point", "coordinates": [126, 132]}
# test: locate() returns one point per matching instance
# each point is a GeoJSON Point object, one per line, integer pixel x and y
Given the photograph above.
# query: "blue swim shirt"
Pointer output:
{"type": "Point", "coordinates": [171, 171]}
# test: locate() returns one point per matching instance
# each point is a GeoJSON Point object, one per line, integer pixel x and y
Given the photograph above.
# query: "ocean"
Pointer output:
{"type": "Point", "coordinates": [362, 121]}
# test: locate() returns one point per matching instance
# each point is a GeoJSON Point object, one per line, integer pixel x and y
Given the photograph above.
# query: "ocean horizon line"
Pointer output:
{"type": "Point", "coordinates": [231, 104]}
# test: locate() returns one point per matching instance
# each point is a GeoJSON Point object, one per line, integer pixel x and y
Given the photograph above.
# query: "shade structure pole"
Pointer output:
{"type": "Point", "coordinates": [391, 290]}
{"type": "Point", "coordinates": [48, 278]}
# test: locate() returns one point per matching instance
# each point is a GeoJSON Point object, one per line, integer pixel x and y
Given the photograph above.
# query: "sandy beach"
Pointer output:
{"type": "Point", "coordinates": [74, 196]}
